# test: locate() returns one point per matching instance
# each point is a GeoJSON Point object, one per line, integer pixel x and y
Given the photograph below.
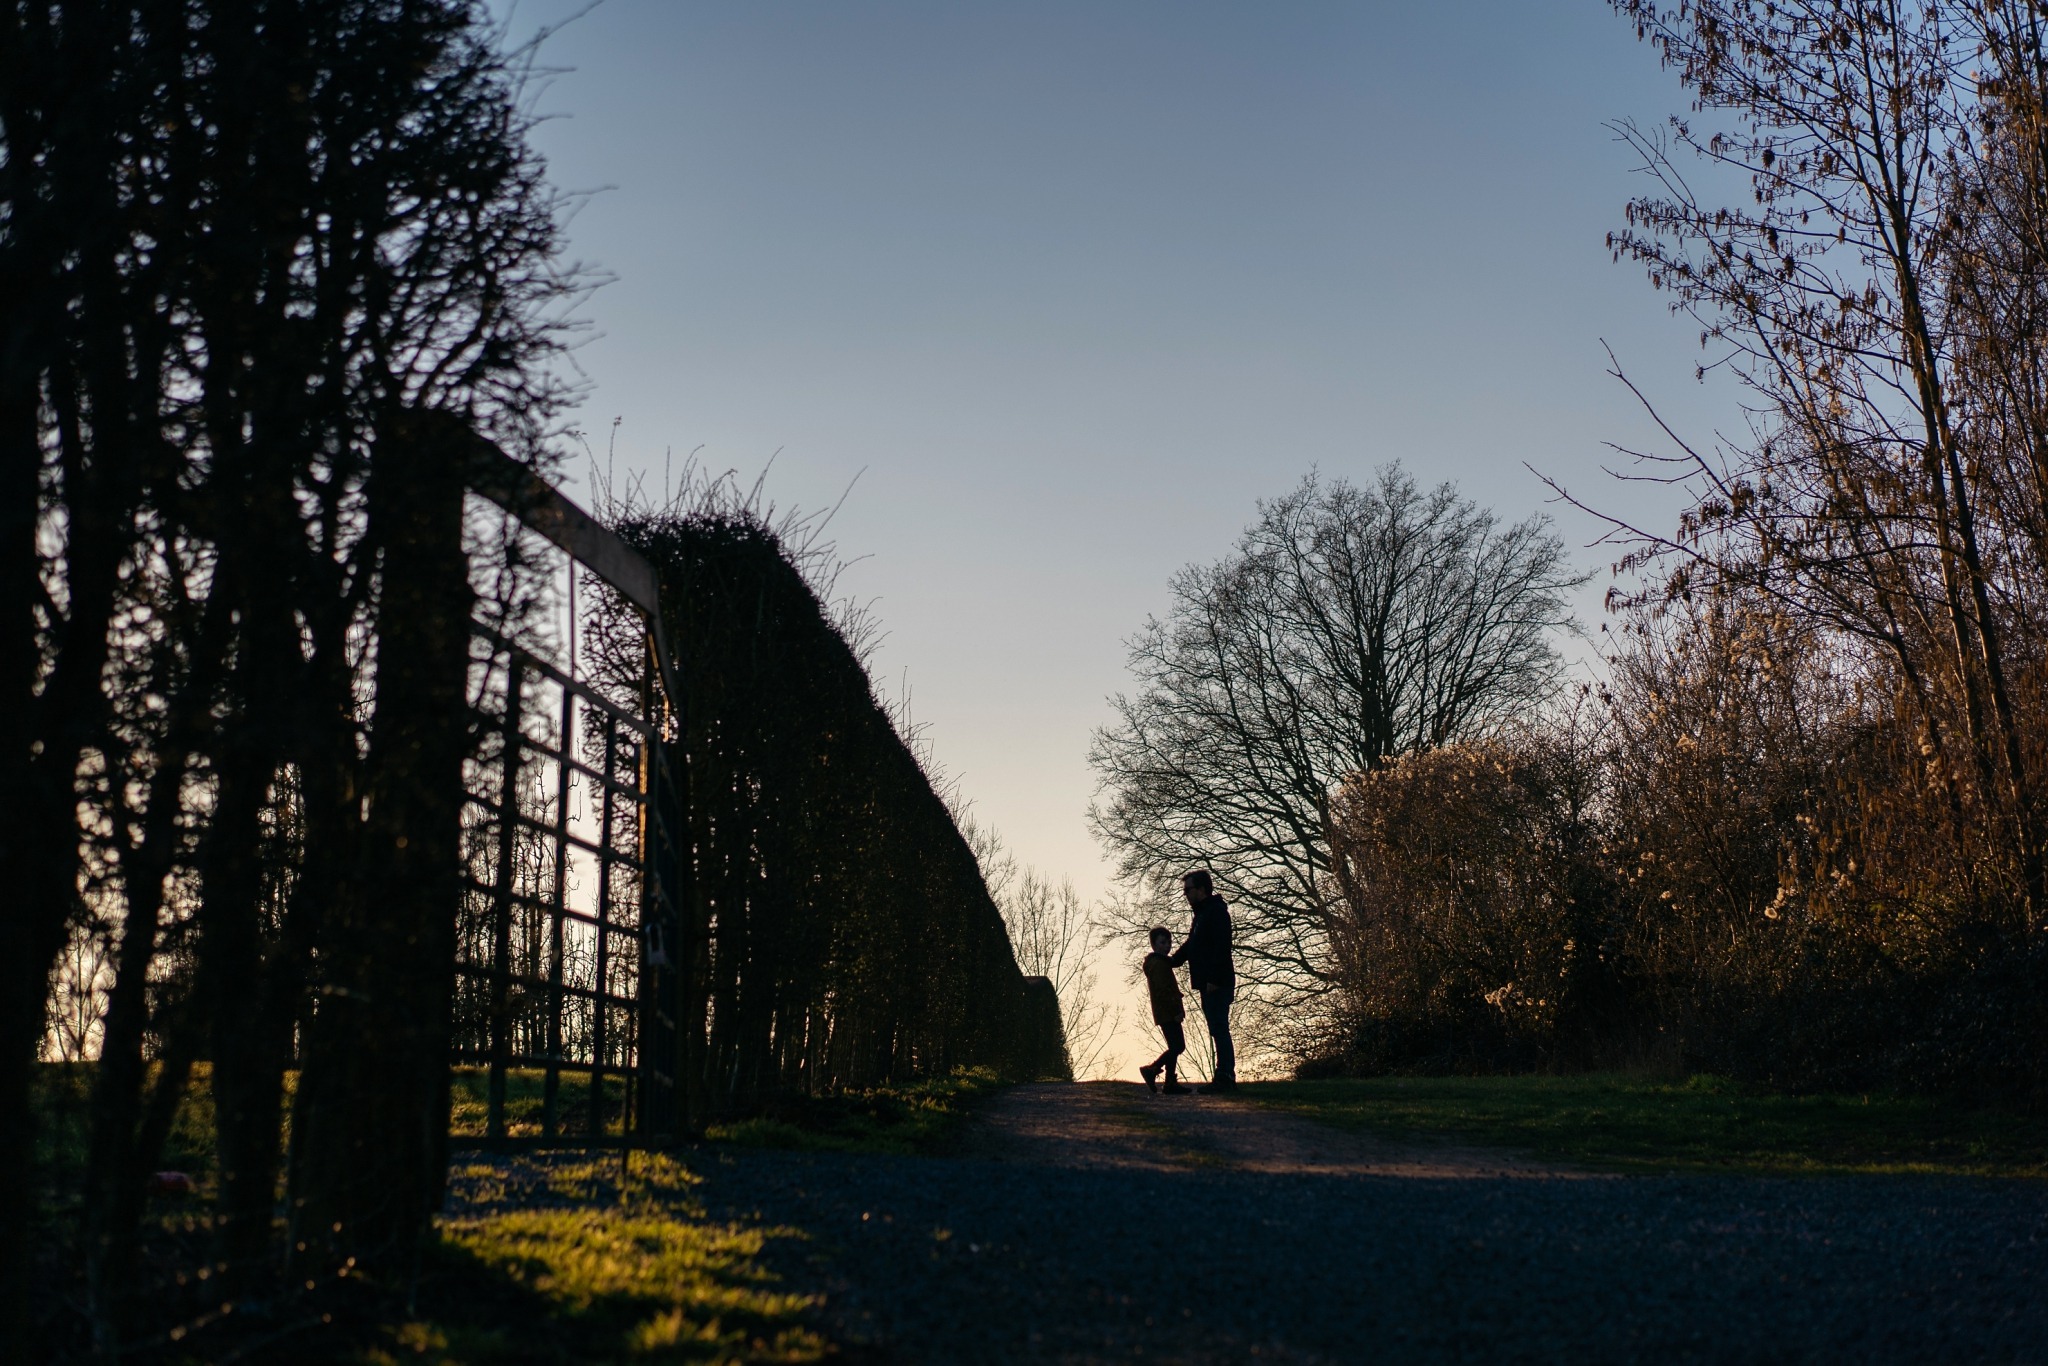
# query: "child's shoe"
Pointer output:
{"type": "Point", "coordinates": [1150, 1072]}
{"type": "Point", "coordinates": [1174, 1088]}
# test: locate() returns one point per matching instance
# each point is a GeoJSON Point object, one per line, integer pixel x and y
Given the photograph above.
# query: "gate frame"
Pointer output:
{"type": "Point", "coordinates": [658, 1073]}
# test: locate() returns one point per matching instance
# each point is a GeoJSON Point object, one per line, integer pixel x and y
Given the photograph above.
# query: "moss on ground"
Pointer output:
{"type": "Point", "coordinates": [1701, 1124]}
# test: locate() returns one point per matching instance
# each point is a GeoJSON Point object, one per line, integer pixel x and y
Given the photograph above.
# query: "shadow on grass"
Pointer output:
{"type": "Point", "coordinates": [1702, 1124]}
{"type": "Point", "coordinates": [569, 1258]}
{"type": "Point", "coordinates": [542, 1260]}
{"type": "Point", "coordinates": [630, 1283]}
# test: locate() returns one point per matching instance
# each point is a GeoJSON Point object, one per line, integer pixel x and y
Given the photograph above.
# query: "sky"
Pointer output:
{"type": "Point", "coordinates": [1052, 293]}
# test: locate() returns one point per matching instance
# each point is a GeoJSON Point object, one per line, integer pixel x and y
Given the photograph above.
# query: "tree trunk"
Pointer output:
{"type": "Point", "coordinates": [24, 968]}
{"type": "Point", "coordinates": [372, 1118]}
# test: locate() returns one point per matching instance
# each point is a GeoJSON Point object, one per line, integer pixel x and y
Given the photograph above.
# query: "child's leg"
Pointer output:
{"type": "Point", "coordinates": [1176, 1044]}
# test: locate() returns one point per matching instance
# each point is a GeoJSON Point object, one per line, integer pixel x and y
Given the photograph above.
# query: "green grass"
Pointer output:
{"type": "Point", "coordinates": [919, 1117]}
{"type": "Point", "coordinates": [600, 1257]}
{"type": "Point", "coordinates": [1704, 1124]}
{"type": "Point", "coordinates": [63, 1098]}
{"type": "Point", "coordinates": [526, 1100]}
{"type": "Point", "coordinates": [606, 1267]}
{"type": "Point", "coordinates": [609, 1258]}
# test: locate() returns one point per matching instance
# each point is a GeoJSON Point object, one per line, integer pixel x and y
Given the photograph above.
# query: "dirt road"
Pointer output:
{"type": "Point", "coordinates": [1120, 1125]}
{"type": "Point", "coordinates": [1092, 1223]}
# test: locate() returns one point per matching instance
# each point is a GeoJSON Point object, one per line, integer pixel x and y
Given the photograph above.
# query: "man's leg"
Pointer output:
{"type": "Point", "coordinates": [1216, 1010]}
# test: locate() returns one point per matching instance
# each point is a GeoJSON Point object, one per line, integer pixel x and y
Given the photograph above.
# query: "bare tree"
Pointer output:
{"type": "Point", "coordinates": [1054, 935]}
{"type": "Point", "coordinates": [255, 244]}
{"type": "Point", "coordinates": [1349, 625]}
{"type": "Point", "coordinates": [1877, 289]}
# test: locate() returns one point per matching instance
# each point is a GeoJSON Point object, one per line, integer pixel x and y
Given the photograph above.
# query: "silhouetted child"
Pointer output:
{"type": "Point", "coordinates": [1167, 1013]}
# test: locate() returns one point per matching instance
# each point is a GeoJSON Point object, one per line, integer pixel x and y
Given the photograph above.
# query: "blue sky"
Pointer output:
{"type": "Point", "coordinates": [1069, 286]}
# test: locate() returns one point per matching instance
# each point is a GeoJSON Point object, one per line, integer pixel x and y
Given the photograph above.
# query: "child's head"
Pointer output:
{"type": "Point", "coordinates": [1162, 939]}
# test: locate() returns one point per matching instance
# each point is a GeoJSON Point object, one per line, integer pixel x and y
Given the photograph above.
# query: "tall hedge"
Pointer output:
{"type": "Point", "coordinates": [838, 933]}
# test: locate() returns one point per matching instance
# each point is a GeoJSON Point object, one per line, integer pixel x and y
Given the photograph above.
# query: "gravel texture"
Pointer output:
{"type": "Point", "coordinates": [1091, 1223]}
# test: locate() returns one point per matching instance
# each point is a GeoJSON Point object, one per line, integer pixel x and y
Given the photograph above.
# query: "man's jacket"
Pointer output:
{"type": "Point", "coordinates": [1207, 952]}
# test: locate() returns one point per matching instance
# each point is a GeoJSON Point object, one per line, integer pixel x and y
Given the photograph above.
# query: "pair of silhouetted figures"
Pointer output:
{"type": "Point", "coordinates": [1207, 954]}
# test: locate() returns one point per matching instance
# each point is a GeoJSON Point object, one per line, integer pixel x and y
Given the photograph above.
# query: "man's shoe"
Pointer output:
{"type": "Point", "coordinates": [1150, 1073]}
{"type": "Point", "coordinates": [1212, 1088]}
{"type": "Point", "coordinates": [1174, 1088]}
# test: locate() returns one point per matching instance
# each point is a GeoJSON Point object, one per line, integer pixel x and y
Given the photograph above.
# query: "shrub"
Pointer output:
{"type": "Point", "coordinates": [1475, 929]}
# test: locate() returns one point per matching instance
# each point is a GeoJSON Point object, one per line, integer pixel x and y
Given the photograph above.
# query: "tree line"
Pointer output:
{"type": "Point", "coordinates": [1792, 827]}
{"type": "Point", "coordinates": [269, 267]}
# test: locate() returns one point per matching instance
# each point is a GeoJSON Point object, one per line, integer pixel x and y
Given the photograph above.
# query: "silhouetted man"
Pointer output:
{"type": "Point", "coordinates": [1207, 954]}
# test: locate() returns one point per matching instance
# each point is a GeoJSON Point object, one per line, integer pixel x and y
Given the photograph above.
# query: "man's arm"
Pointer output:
{"type": "Point", "coordinates": [1181, 954]}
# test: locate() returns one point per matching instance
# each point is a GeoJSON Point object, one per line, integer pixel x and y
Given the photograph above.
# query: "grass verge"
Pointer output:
{"type": "Point", "coordinates": [602, 1259]}
{"type": "Point", "coordinates": [546, 1259]}
{"type": "Point", "coordinates": [1702, 1124]}
{"type": "Point", "coordinates": [920, 1117]}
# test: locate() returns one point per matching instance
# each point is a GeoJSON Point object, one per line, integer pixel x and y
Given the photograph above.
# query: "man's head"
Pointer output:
{"type": "Point", "coordinates": [1162, 939]}
{"type": "Point", "coordinates": [1196, 886]}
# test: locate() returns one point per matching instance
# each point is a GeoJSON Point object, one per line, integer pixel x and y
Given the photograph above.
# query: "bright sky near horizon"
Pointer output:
{"type": "Point", "coordinates": [1070, 285]}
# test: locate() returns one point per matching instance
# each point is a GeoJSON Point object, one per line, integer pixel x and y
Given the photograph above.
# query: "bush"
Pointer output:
{"type": "Point", "coordinates": [1476, 924]}
{"type": "Point", "coordinates": [1745, 867]}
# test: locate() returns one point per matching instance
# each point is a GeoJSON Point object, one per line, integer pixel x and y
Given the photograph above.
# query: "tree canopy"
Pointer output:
{"type": "Point", "coordinates": [1348, 625]}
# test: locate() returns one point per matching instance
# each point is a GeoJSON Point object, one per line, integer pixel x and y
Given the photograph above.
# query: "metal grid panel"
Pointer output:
{"type": "Point", "coordinates": [568, 911]}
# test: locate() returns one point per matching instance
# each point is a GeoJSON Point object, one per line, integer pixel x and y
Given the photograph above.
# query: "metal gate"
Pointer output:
{"type": "Point", "coordinates": [566, 985]}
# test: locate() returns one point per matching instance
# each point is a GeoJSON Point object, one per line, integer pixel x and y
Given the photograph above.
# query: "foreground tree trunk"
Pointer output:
{"type": "Point", "coordinates": [370, 1133]}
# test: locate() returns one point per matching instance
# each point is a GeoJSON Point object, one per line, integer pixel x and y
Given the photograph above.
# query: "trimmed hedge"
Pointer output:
{"type": "Point", "coordinates": [838, 932]}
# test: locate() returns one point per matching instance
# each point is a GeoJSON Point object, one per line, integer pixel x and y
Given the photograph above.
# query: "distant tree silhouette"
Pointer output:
{"type": "Point", "coordinates": [1055, 936]}
{"type": "Point", "coordinates": [1349, 625]}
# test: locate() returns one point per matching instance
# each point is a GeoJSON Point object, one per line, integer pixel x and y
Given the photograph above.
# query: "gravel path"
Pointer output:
{"type": "Point", "coordinates": [1092, 1223]}
{"type": "Point", "coordinates": [1117, 1124]}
